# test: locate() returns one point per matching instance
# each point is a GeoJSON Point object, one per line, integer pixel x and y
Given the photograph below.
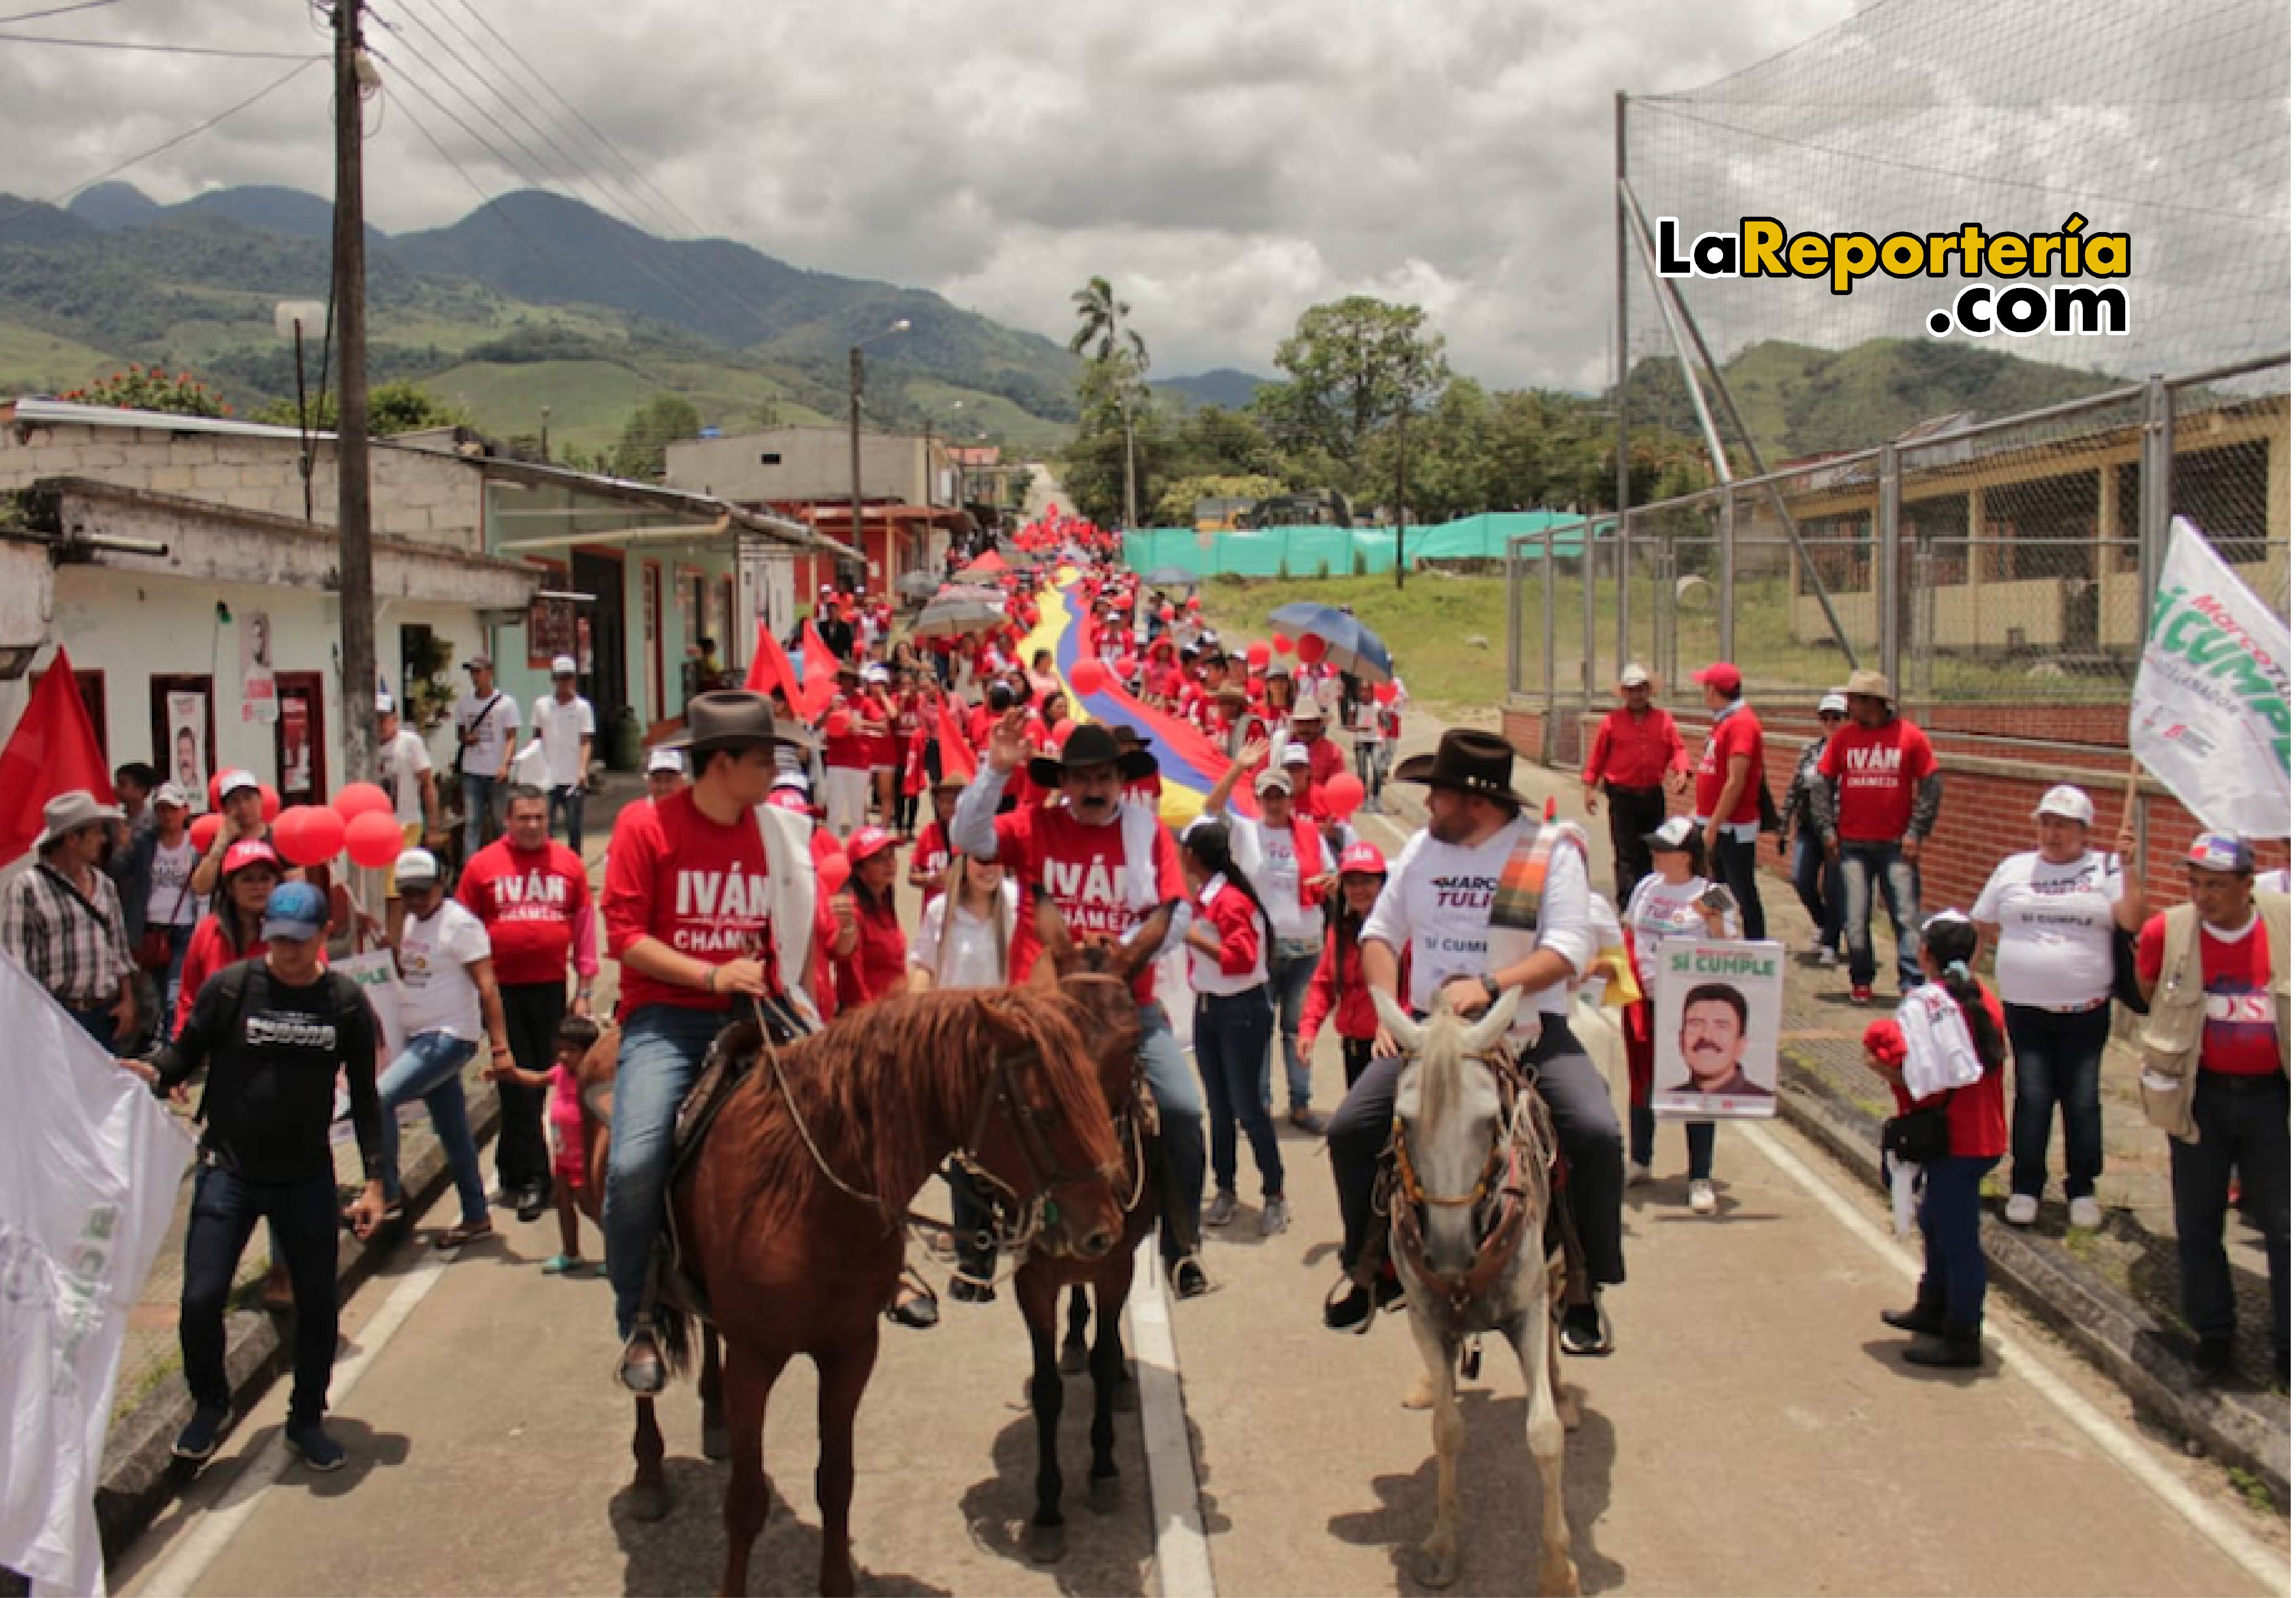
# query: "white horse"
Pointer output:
{"type": "Point", "coordinates": [1467, 1230]}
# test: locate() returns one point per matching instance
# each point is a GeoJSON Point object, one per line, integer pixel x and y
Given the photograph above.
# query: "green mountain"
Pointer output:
{"type": "Point", "coordinates": [532, 300]}
{"type": "Point", "coordinates": [1223, 386]}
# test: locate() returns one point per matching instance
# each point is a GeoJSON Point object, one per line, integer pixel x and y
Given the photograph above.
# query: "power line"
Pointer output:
{"type": "Point", "coordinates": [154, 49]}
{"type": "Point", "coordinates": [53, 11]}
{"type": "Point", "coordinates": [485, 201]}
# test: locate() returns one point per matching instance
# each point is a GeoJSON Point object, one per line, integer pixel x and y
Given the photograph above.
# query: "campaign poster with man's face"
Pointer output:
{"type": "Point", "coordinates": [1715, 1021]}
{"type": "Point", "coordinates": [187, 746]}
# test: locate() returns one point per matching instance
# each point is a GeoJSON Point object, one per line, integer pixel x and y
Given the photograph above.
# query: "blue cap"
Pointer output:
{"type": "Point", "coordinates": [296, 911]}
{"type": "Point", "coordinates": [2222, 852]}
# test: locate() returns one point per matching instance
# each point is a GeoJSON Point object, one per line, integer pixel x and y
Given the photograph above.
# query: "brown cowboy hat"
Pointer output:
{"type": "Point", "coordinates": [1091, 745]}
{"type": "Point", "coordinates": [734, 718]}
{"type": "Point", "coordinates": [1470, 761]}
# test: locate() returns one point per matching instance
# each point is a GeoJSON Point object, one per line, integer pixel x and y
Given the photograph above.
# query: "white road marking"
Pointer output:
{"type": "Point", "coordinates": [2268, 1569]}
{"type": "Point", "coordinates": [1184, 1562]}
{"type": "Point", "coordinates": [204, 1543]}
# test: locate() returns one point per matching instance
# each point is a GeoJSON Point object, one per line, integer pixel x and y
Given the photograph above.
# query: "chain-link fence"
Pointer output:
{"type": "Point", "coordinates": [2017, 573]}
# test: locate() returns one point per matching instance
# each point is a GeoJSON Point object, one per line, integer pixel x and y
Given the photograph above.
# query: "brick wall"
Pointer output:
{"type": "Point", "coordinates": [1990, 788]}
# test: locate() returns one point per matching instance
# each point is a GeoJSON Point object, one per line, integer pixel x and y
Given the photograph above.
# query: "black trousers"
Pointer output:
{"type": "Point", "coordinates": [2243, 1126]}
{"type": "Point", "coordinates": [1635, 812]}
{"type": "Point", "coordinates": [1734, 865]}
{"type": "Point", "coordinates": [225, 1209]}
{"type": "Point", "coordinates": [532, 1011]}
{"type": "Point", "coordinates": [1584, 1119]}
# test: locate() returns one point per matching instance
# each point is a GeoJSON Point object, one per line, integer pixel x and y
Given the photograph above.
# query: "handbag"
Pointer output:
{"type": "Point", "coordinates": [1918, 1137]}
{"type": "Point", "coordinates": [155, 950]}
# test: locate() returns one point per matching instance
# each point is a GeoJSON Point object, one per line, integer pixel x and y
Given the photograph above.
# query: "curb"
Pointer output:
{"type": "Point", "coordinates": [2108, 1328]}
{"type": "Point", "coordinates": [137, 1480]}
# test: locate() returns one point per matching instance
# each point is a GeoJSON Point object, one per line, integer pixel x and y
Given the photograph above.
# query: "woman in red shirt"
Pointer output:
{"type": "Point", "coordinates": [1338, 989]}
{"type": "Point", "coordinates": [234, 931]}
{"type": "Point", "coordinates": [1948, 1310]}
{"type": "Point", "coordinates": [1228, 943]}
{"type": "Point", "coordinates": [878, 961]}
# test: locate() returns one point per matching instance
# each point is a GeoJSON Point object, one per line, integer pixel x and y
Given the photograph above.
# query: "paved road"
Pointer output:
{"type": "Point", "coordinates": [1755, 1433]}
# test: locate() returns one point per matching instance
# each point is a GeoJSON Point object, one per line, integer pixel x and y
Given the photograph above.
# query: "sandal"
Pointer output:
{"type": "Point", "coordinates": [454, 1236]}
{"type": "Point", "coordinates": [563, 1265]}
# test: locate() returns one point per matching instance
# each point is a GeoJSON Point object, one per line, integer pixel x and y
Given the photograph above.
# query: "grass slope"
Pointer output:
{"type": "Point", "coordinates": [32, 362]}
{"type": "Point", "coordinates": [1427, 625]}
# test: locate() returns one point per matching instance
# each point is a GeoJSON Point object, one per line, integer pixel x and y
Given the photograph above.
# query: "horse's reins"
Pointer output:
{"type": "Point", "coordinates": [1520, 1143]}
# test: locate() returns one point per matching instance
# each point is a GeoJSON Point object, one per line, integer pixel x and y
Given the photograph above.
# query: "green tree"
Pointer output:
{"type": "Point", "coordinates": [1352, 366]}
{"type": "Point", "coordinates": [1100, 325]}
{"type": "Point", "coordinates": [392, 408]}
{"type": "Point", "coordinates": [1176, 502]}
{"type": "Point", "coordinates": [152, 388]}
{"type": "Point", "coordinates": [641, 453]}
{"type": "Point", "coordinates": [1115, 379]}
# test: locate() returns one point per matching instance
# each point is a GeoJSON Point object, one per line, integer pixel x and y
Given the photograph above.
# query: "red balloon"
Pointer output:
{"type": "Point", "coordinates": [271, 804]}
{"type": "Point", "coordinates": [834, 872]}
{"type": "Point", "coordinates": [307, 834]}
{"type": "Point", "coordinates": [1257, 656]}
{"type": "Point", "coordinates": [1343, 796]}
{"type": "Point", "coordinates": [357, 799]}
{"type": "Point", "coordinates": [1313, 648]}
{"type": "Point", "coordinates": [373, 838]}
{"type": "Point", "coordinates": [1088, 677]}
{"type": "Point", "coordinates": [1168, 614]}
{"type": "Point", "coordinates": [1283, 646]}
{"type": "Point", "coordinates": [204, 829]}
{"type": "Point", "coordinates": [1385, 692]}
{"type": "Point", "coordinates": [1194, 602]}
{"type": "Point", "coordinates": [215, 791]}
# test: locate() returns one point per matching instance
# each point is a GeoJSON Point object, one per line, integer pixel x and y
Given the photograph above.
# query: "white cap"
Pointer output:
{"type": "Point", "coordinates": [171, 792]}
{"type": "Point", "coordinates": [2067, 801]}
{"type": "Point", "coordinates": [1633, 677]}
{"type": "Point", "coordinates": [416, 865]}
{"type": "Point", "coordinates": [666, 760]}
{"type": "Point", "coordinates": [796, 782]}
{"type": "Point", "coordinates": [563, 666]}
{"type": "Point", "coordinates": [1673, 833]}
{"type": "Point", "coordinates": [874, 672]}
{"type": "Point", "coordinates": [385, 704]}
{"type": "Point", "coordinates": [1272, 780]}
{"type": "Point", "coordinates": [1296, 755]}
{"type": "Point", "coordinates": [234, 781]}
{"type": "Point", "coordinates": [1834, 702]}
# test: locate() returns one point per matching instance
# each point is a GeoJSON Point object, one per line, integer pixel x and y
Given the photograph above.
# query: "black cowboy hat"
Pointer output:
{"type": "Point", "coordinates": [1470, 761]}
{"type": "Point", "coordinates": [734, 718]}
{"type": "Point", "coordinates": [1091, 745]}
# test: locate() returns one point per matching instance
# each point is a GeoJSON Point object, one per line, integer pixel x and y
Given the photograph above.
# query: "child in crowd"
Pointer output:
{"type": "Point", "coordinates": [569, 1142]}
{"type": "Point", "coordinates": [1674, 901]}
{"type": "Point", "coordinates": [1338, 990]}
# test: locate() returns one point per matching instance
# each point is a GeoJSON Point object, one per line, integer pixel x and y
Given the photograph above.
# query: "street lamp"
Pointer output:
{"type": "Point", "coordinates": [860, 546]}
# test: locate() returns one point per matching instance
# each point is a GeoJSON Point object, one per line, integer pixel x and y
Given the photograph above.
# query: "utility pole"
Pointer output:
{"type": "Point", "coordinates": [1402, 464]}
{"type": "Point", "coordinates": [1131, 489]}
{"type": "Point", "coordinates": [854, 385]}
{"type": "Point", "coordinates": [353, 524]}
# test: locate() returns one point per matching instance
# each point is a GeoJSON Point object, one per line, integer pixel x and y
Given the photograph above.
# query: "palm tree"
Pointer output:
{"type": "Point", "coordinates": [1100, 319]}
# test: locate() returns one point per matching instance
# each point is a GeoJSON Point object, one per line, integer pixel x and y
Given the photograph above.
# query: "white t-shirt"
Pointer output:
{"type": "Point", "coordinates": [1438, 904]}
{"type": "Point", "coordinates": [2275, 881]}
{"type": "Point", "coordinates": [170, 904]}
{"type": "Point", "coordinates": [2056, 928]}
{"type": "Point", "coordinates": [1658, 910]}
{"type": "Point", "coordinates": [495, 719]}
{"type": "Point", "coordinates": [1266, 854]}
{"type": "Point", "coordinates": [401, 764]}
{"type": "Point", "coordinates": [562, 728]}
{"type": "Point", "coordinates": [970, 958]}
{"type": "Point", "coordinates": [435, 989]}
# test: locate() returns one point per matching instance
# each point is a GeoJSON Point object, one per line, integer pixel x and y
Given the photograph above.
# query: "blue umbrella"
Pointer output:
{"type": "Point", "coordinates": [1348, 645]}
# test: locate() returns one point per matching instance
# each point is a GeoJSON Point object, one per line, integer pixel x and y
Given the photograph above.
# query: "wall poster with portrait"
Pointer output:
{"type": "Point", "coordinates": [1716, 1024]}
{"type": "Point", "coordinates": [183, 734]}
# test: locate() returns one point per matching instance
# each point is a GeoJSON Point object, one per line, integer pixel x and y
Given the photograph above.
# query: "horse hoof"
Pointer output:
{"type": "Point", "coordinates": [1559, 1580]}
{"type": "Point", "coordinates": [1048, 1544]}
{"type": "Point", "coordinates": [1126, 1399]}
{"type": "Point", "coordinates": [1437, 1569]}
{"type": "Point", "coordinates": [1105, 1494]}
{"type": "Point", "coordinates": [715, 1443]}
{"type": "Point", "coordinates": [649, 1500]}
{"type": "Point", "coordinates": [1076, 1359]}
{"type": "Point", "coordinates": [1421, 1394]}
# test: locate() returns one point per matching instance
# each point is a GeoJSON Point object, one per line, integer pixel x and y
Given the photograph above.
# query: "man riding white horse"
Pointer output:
{"type": "Point", "coordinates": [1437, 903]}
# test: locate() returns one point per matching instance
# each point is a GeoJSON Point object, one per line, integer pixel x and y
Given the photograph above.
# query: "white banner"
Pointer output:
{"type": "Point", "coordinates": [90, 1168]}
{"type": "Point", "coordinates": [2211, 715]}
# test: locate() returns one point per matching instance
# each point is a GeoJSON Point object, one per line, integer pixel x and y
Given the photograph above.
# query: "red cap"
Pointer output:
{"type": "Point", "coordinates": [1722, 677]}
{"type": "Point", "coordinates": [868, 841]}
{"type": "Point", "coordinates": [250, 852]}
{"type": "Point", "coordinates": [790, 799]}
{"type": "Point", "coordinates": [1364, 858]}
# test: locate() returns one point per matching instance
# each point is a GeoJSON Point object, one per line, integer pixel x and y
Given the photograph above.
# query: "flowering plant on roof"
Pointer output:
{"type": "Point", "coordinates": [152, 388]}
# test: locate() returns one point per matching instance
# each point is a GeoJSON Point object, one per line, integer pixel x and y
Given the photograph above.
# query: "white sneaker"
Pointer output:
{"type": "Point", "coordinates": [2087, 1214]}
{"type": "Point", "coordinates": [1637, 1174]}
{"type": "Point", "coordinates": [1701, 1197]}
{"type": "Point", "coordinates": [1827, 959]}
{"type": "Point", "coordinates": [2022, 1210]}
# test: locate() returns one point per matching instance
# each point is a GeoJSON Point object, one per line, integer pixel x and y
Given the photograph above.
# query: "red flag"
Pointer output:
{"type": "Point", "coordinates": [957, 758]}
{"type": "Point", "coordinates": [820, 672]}
{"type": "Point", "coordinates": [770, 669]}
{"type": "Point", "coordinates": [52, 750]}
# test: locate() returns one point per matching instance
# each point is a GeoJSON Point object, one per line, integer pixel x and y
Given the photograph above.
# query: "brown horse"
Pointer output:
{"type": "Point", "coordinates": [1097, 979]}
{"type": "Point", "coordinates": [790, 1216]}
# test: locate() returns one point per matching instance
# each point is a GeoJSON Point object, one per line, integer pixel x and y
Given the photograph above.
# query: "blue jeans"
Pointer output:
{"type": "Point", "coordinates": [568, 801]}
{"type": "Point", "coordinates": [1862, 865]}
{"type": "Point", "coordinates": [1288, 979]}
{"type": "Point", "coordinates": [432, 1069]}
{"type": "Point", "coordinates": [1180, 1112]}
{"type": "Point", "coordinates": [478, 811]}
{"type": "Point", "coordinates": [1819, 881]}
{"type": "Point", "coordinates": [171, 980]}
{"type": "Point", "coordinates": [1953, 1258]}
{"type": "Point", "coordinates": [663, 1046]}
{"type": "Point", "coordinates": [225, 1209]}
{"type": "Point", "coordinates": [1232, 1056]}
{"type": "Point", "coordinates": [2057, 1059]}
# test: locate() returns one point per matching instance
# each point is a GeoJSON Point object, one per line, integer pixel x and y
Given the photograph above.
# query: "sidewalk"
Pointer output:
{"type": "Point", "coordinates": [2111, 1293]}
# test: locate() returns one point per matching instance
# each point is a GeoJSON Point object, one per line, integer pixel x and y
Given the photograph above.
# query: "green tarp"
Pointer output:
{"type": "Point", "coordinates": [1337, 551]}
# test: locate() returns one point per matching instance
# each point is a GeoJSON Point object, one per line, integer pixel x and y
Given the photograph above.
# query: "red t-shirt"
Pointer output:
{"type": "Point", "coordinates": [852, 748]}
{"type": "Point", "coordinates": [530, 901]}
{"type": "Point", "coordinates": [1735, 734]}
{"type": "Point", "coordinates": [879, 963]}
{"type": "Point", "coordinates": [1082, 870]}
{"type": "Point", "coordinates": [1875, 770]}
{"type": "Point", "coordinates": [931, 856]}
{"type": "Point", "coordinates": [2240, 1038]}
{"type": "Point", "coordinates": [674, 874]}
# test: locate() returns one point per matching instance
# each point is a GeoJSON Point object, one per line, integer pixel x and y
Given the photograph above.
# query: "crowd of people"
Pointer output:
{"type": "Point", "coordinates": [763, 866]}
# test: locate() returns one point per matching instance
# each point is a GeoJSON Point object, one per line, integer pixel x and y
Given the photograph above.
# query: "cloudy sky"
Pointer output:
{"type": "Point", "coordinates": [1229, 162]}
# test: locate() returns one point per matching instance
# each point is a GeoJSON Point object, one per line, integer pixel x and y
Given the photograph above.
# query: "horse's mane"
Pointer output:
{"type": "Point", "coordinates": [883, 1090]}
{"type": "Point", "coordinates": [1440, 1068]}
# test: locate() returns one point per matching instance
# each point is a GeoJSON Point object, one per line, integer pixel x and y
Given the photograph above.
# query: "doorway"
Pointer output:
{"type": "Point", "coordinates": [299, 738]}
{"type": "Point", "coordinates": [605, 661]}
